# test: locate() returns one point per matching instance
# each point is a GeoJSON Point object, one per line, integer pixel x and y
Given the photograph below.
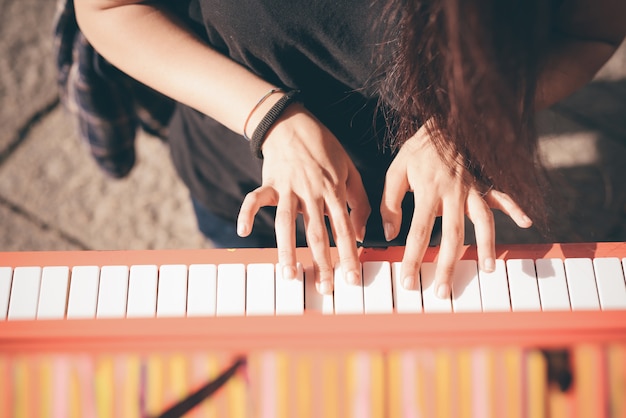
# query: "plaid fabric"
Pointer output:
{"type": "Point", "coordinates": [107, 106]}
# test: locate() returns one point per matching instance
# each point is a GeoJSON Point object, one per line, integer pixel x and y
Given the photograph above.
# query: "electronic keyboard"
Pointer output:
{"type": "Point", "coordinates": [370, 340]}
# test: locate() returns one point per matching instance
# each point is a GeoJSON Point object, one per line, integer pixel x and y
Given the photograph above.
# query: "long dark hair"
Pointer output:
{"type": "Point", "coordinates": [470, 66]}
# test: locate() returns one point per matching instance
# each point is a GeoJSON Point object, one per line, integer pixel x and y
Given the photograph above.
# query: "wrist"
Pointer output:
{"type": "Point", "coordinates": [260, 109]}
{"type": "Point", "coordinates": [270, 118]}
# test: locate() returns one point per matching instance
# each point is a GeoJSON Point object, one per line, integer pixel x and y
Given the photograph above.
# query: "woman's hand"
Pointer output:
{"type": "Point", "coordinates": [306, 170]}
{"type": "Point", "coordinates": [440, 190]}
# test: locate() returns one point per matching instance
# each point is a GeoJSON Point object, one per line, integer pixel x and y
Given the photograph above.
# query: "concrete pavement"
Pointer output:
{"type": "Point", "coordinates": [52, 195]}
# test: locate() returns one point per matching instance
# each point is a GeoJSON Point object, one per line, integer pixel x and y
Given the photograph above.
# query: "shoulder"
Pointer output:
{"type": "Point", "coordinates": [595, 20]}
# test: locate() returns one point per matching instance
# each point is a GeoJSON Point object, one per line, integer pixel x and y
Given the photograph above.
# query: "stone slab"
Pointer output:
{"type": "Point", "coordinates": [52, 176]}
{"type": "Point", "coordinates": [27, 68]}
{"type": "Point", "coordinates": [20, 233]}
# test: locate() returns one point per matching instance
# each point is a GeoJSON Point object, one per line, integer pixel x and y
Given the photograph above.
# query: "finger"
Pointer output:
{"type": "Point", "coordinates": [358, 202]}
{"type": "Point", "coordinates": [317, 239]}
{"type": "Point", "coordinates": [452, 236]}
{"type": "Point", "coordinates": [503, 202]}
{"type": "Point", "coordinates": [255, 200]}
{"type": "Point", "coordinates": [417, 241]}
{"type": "Point", "coordinates": [284, 223]}
{"type": "Point", "coordinates": [396, 187]}
{"type": "Point", "coordinates": [345, 240]}
{"type": "Point", "coordinates": [482, 217]}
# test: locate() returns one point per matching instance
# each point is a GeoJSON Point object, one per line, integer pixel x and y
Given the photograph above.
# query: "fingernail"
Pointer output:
{"type": "Point", "coordinates": [289, 272]}
{"type": "Point", "coordinates": [407, 283]}
{"type": "Point", "coordinates": [361, 235]}
{"type": "Point", "coordinates": [325, 287]}
{"type": "Point", "coordinates": [527, 220]}
{"type": "Point", "coordinates": [443, 291]}
{"type": "Point", "coordinates": [352, 277]}
{"type": "Point", "coordinates": [389, 231]}
{"type": "Point", "coordinates": [241, 229]}
{"type": "Point", "coordinates": [490, 264]}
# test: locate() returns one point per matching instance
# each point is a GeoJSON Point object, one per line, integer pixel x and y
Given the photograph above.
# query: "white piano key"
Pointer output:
{"type": "Point", "coordinates": [552, 283]}
{"type": "Point", "coordinates": [432, 303]}
{"type": "Point", "coordinates": [581, 283]}
{"type": "Point", "coordinates": [24, 293]}
{"type": "Point", "coordinates": [172, 291]}
{"type": "Point", "coordinates": [404, 300]}
{"type": "Point", "coordinates": [313, 300]}
{"type": "Point", "coordinates": [6, 274]}
{"type": "Point", "coordinates": [113, 292]}
{"type": "Point", "coordinates": [377, 293]}
{"type": "Point", "coordinates": [523, 285]}
{"type": "Point", "coordinates": [142, 291]}
{"type": "Point", "coordinates": [231, 289]}
{"type": "Point", "coordinates": [260, 290]}
{"type": "Point", "coordinates": [466, 287]}
{"type": "Point", "coordinates": [289, 292]}
{"type": "Point", "coordinates": [202, 290]}
{"type": "Point", "coordinates": [348, 297]}
{"type": "Point", "coordinates": [610, 283]}
{"type": "Point", "coordinates": [83, 298]}
{"type": "Point", "coordinates": [494, 289]}
{"type": "Point", "coordinates": [54, 292]}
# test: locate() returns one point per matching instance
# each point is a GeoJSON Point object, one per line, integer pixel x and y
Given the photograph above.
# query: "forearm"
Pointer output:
{"type": "Point", "coordinates": [568, 66]}
{"type": "Point", "coordinates": [585, 35]}
{"type": "Point", "coordinates": [152, 46]}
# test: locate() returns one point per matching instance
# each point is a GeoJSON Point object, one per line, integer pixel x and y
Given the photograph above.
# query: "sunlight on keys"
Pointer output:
{"type": "Point", "coordinates": [142, 291]}
{"type": "Point", "coordinates": [53, 294]}
{"type": "Point", "coordinates": [145, 291]}
{"type": "Point", "coordinates": [466, 287]}
{"type": "Point", "coordinates": [523, 285]}
{"type": "Point", "coordinates": [112, 296]}
{"type": "Point", "coordinates": [25, 293]}
{"type": "Point", "coordinates": [231, 289]}
{"type": "Point", "coordinates": [494, 289]}
{"type": "Point", "coordinates": [172, 292]}
{"type": "Point", "coordinates": [202, 290]}
{"type": "Point", "coordinates": [610, 282]}
{"type": "Point", "coordinates": [83, 292]}
{"type": "Point", "coordinates": [5, 290]}
{"type": "Point", "coordinates": [405, 300]}
{"type": "Point", "coordinates": [377, 294]}
{"type": "Point", "coordinates": [552, 284]}
{"type": "Point", "coordinates": [432, 303]}
{"type": "Point", "coordinates": [260, 289]}
{"type": "Point", "coordinates": [348, 297]}
{"type": "Point", "coordinates": [315, 301]}
{"type": "Point", "coordinates": [289, 293]}
{"type": "Point", "coordinates": [581, 284]}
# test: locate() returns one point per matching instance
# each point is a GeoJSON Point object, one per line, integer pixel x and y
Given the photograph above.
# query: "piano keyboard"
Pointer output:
{"type": "Point", "coordinates": [132, 333]}
{"type": "Point", "coordinates": [544, 286]}
{"type": "Point", "coordinates": [178, 290]}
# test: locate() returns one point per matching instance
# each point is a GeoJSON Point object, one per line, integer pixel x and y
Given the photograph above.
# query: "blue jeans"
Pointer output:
{"type": "Point", "coordinates": [223, 234]}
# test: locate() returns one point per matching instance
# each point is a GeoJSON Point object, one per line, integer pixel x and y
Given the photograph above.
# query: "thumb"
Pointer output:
{"type": "Point", "coordinates": [358, 203]}
{"type": "Point", "coordinates": [396, 187]}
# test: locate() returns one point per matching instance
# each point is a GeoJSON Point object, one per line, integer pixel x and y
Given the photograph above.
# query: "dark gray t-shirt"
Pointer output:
{"type": "Point", "coordinates": [326, 49]}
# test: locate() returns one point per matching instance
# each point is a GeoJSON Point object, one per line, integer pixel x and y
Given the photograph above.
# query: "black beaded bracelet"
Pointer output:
{"type": "Point", "coordinates": [269, 119]}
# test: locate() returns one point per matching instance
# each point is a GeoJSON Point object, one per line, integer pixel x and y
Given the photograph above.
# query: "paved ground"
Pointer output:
{"type": "Point", "coordinates": [53, 197]}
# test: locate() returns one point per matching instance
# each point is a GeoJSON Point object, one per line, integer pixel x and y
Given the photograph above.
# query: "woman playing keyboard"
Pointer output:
{"type": "Point", "coordinates": [369, 118]}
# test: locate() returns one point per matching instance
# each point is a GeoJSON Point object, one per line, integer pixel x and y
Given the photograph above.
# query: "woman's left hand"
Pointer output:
{"type": "Point", "coordinates": [446, 190]}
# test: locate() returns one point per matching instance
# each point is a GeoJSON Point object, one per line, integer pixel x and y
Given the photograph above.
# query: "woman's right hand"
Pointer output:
{"type": "Point", "coordinates": [441, 187]}
{"type": "Point", "coordinates": [306, 170]}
